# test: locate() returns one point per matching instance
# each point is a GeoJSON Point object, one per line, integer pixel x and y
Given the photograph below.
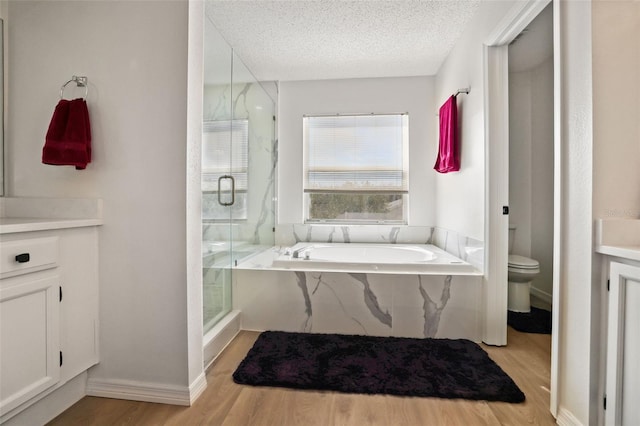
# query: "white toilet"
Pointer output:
{"type": "Point", "coordinates": [521, 271]}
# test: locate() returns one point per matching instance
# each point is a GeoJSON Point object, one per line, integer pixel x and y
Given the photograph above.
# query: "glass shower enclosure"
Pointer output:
{"type": "Point", "coordinates": [238, 170]}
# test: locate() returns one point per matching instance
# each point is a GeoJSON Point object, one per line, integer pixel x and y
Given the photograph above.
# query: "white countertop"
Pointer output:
{"type": "Point", "coordinates": [27, 214]}
{"type": "Point", "coordinates": [10, 225]}
{"type": "Point", "coordinates": [626, 252]}
{"type": "Point", "coordinates": [619, 238]}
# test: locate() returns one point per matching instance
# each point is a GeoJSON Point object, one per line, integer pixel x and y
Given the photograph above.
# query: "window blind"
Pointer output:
{"type": "Point", "coordinates": [356, 153]}
{"type": "Point", "coordinates": [225, 150]}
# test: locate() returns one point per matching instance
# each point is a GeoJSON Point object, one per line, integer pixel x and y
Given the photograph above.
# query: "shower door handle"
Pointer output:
{"type": "Point", "coordinates": [233, 190]}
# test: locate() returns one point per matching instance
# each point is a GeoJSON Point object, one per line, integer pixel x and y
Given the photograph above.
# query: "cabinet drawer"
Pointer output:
{"type": "Point", "coordinates": [29, 255]}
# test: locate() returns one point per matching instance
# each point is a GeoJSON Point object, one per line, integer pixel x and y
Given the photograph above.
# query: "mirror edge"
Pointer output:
{"type": "Point", "coordinates": [3, 109]}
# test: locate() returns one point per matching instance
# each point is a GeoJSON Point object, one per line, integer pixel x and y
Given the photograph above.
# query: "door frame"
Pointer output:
{"type": "Point", "coordinates": [496, 86]}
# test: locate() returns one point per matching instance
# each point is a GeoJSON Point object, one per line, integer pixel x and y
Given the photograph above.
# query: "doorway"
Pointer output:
{"type": "Point", "coordinates": [530, 57]}
{"type": "Point", "coordinates": [496, 56]}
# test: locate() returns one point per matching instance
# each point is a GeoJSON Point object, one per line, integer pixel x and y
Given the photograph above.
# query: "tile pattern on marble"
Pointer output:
{"type": "Point", "coordinates": [326, 285]}
{"type": "Point", "coordinates": [370, 304]}
{"type": "Point", "coordinates": [432, 312]}
{"type": "Point", "coordinates": [301, 279]}
{"type": "Point", "coordinates": [371, 301]}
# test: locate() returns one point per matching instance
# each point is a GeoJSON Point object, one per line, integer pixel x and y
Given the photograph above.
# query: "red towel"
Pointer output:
{"type": "Point", "coordinates": [449, 150]}
{"type": "Point", "coordinates": [68, 140]}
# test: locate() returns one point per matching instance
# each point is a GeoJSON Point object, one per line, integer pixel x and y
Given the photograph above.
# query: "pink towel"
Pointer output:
{"type": "Point", "coordinates": [449, 149]}
{"type": "Point", "coordinates": [68, 140]}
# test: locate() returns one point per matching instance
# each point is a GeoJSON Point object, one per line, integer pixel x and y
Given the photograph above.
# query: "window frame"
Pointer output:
{"type": "Point", "coordinates": [308, 192]}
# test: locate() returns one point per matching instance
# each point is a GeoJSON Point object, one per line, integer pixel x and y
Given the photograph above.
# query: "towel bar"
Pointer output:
{"type": "Point", "coordinates": [80, 82]}
{"type": "Point", "coordinates": [466, 91]}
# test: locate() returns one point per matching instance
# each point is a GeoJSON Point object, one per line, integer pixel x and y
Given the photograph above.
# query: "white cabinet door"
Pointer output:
{"type": "Point", "coordinates": [29, 338]}
{"type": "Point", "coordinates": [79, 307]}
{"type": "Point", "coordinates": [623, 351]}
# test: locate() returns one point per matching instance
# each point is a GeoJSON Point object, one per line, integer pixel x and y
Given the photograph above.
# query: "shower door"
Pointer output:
{"type": "Point", "coordinates": [238, 165]}
{"type": "Point", "coordinates": [217, 134]}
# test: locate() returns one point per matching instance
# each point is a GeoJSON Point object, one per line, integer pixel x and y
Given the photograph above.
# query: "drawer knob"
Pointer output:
{"type": "Point", "coordinates": [23, 258]}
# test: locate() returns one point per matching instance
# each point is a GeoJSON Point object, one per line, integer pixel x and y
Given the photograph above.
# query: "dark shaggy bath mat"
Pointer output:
{"type": "Point", "coordinates": [442, 368]}
{"type": "Point", "coordinates": [536, 321]}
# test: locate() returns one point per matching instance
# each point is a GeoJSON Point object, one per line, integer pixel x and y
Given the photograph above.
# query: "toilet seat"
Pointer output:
{"type": "Point", "coordinates": [522, 262]}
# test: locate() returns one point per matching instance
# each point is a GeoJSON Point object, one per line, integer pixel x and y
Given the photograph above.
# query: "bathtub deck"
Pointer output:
{"type": "Point", "coordinates": [268, 260]}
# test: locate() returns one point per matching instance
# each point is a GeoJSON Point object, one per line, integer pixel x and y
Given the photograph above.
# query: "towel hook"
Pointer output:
{"type": "Point", "coordinates": [465, 90]}
{"type": "Point", "coordinates": [80, 82]}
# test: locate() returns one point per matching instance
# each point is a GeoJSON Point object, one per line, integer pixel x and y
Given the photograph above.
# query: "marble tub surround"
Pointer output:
{"type": "Point", "coordinates": [292, 233]}
{"type": "Point", "coordinates": [442, 306]}
{"type": "Point", "coordinates": [382, 303]}
{"type": "Point", "coordinates": [468, 249]}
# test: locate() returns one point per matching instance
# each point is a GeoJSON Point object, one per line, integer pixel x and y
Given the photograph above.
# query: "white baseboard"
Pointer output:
{"type": "Point", "coordinates": [566, 418]}
{"type": "Point", "coordinates": [46, 409]}
{"type": "Point", "coordinates": [147, 392]}
{"type": "Point", "coordinates": [197, 387]}
{"type": "Point", "coordinates": [542, 295]}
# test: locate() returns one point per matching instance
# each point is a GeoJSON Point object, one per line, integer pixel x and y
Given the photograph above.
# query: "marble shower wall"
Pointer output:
{"type": "Point", "coordinates": [441, 306]}
{"type": "Point", "coordinates": [468, 249]}
{"type": "Point", "coordinates": [248, 101]}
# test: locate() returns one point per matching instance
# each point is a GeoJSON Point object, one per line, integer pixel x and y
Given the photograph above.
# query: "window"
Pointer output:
{"type": "Point", "coordinates": [225, 151]}
{"type": "Point", "coordinates": [356, 168]}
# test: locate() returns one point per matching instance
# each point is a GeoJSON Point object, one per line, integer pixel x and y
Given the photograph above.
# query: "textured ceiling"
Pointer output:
{"type": "Point", "coordinates": [328, 39]}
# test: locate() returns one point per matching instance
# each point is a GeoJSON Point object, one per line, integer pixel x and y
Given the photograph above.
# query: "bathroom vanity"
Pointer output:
{"type": "Point", "coordinates": [48, 306]}
{"type": "Point", "coordinates": [619, 242]}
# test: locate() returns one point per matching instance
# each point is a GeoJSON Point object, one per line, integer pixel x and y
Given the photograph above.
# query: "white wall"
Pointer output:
{"type": "Point", "coordinates": [531, 168]}
{"type": "Point", "coordinates": [4, 13]}
{"type": "Point", "coordinates": [137, 71]}
{"type": "Point", "coordinates": [616, 93]}
{"type": "Point", "coordinates": [460, 196]}
{"type": "Point", "coordinates": [575, 325]}
{"type": "Point", "coordinates": [379, 95]}
{"type": "Point", "coordinates": [542, 175]}
{"type": "Point", "coordinates": [195, 96]}
{"type": "Point", "coordinates": [600, 147]}
{"type": "Point", "coordinates": [616, 135]}
{"type": "Point", "coordinates": [135, 57]}
{"type": "Point", "coordinates": [520, 147]}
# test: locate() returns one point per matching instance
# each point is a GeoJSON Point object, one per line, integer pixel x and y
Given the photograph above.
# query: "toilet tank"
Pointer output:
{"type": "Point", "coordinates": [512, 236]}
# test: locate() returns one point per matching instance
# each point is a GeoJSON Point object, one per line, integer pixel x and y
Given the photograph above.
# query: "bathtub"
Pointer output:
{"type": "Point", "coordinates": [378, 258]}
{"type": "Point", "coordinates": [401, 290]}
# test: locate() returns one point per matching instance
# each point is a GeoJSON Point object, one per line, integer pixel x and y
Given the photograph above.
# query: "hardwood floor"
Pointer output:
{"type": "Point", "coordinates": [526, 359]}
